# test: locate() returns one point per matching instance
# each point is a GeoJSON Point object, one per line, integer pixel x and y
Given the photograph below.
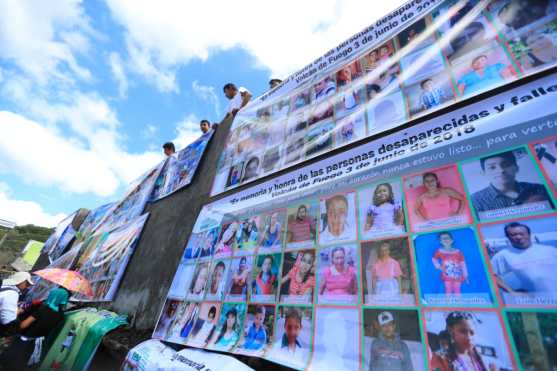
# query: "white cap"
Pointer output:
{"type": "Point", "coordinates": [17, 278]}
{"type": "Point", "coordinates": [384, 318]}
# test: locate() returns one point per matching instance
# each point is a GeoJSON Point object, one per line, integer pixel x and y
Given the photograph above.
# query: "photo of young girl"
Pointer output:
{"type": "Point", "coordinates": [239, 278]}
{"type": "Point", "coordinates": [217, 283]}
{"type": "Point", "coordinates": [265, 278]}
{"type": "Point", "coordinates": [392, 340]}
{"type": "Point", "coordinates": [271, 227]}
{"type": "Point", "coordinates": [227, 239]}
{"type": "Point", "coordinates": [302, 225]}
{"type": "Point", "coordinates": [292, 343]}
{"type": "Point", "coordinates": [258, 330]}
{"type": "Point", "coordinates": [338, 278]}
{"type": "Point", "coordinates": [388, 275]}
{"type": "Point", "coordinates": [247, 236]}
{"type": "Point", "coordinates": [229, 327]}
{"type": "Point", "coordinates": [337, 334]}
{"type": "Point", "coordinates": [204, 329]}
{"type": "Point", "coordinates": [298, 277]}
{"type": "Point", "coordinates": [436, 199]}
{"type": "Point", "coordinates": [199, 281]}
{"type": "Point", "coordinates": [381, 211]}
{"type": "Point", "coordinates": [451, 269]}
{"type": "Point", "coordinates": [466, 340]}
{"type": "Point", "coordinates": [338, 219]}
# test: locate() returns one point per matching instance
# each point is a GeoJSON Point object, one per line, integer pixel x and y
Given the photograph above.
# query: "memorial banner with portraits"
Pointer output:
{"type": "Point", "coordinates": [424, 56]}
{"type": "Point", "coordinates": [179, 169]}
{"type": "Point", "coordinates": [435, 245]}
{"type": "Point", "coordinates": [105, 257]}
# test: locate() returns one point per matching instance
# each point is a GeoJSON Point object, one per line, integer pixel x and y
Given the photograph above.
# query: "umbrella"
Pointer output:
{"type": "Point", "coordinates": [71, 280]}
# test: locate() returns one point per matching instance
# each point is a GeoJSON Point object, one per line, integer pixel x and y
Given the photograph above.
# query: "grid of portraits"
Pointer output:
{"type": "Point", "coordinates": [450, 266]}
{"type": "Point", "coordinates": [458, 50]}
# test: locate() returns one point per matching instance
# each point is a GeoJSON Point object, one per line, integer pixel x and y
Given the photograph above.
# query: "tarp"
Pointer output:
{"type": "Point", "coordinates": [79, 338]}
{"type": "Point", "coordinates": [422, 57]}
{"type": "Point", "coordinates": [381, 256]}
{"type": "Point", "coordinates": [180, 168]}
{"type": "Point", "coordinates": [153, 355]}
{"type": "Point", "coordinates": [106, 256]}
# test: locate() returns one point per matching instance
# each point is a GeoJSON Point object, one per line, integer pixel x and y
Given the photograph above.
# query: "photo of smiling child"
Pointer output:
{"type": "Point", "coordinates": [381, 211]}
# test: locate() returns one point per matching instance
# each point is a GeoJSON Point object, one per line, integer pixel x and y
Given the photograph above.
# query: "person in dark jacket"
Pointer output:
{"type": "Point", "coordinates": [389, 351]}
{"type": "Point", "coordinates": [25, 351]}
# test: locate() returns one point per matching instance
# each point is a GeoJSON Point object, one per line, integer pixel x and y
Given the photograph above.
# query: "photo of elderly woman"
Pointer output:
{"type": "Point", "coordinates": [298, 277]}
{"type": "Point", "coordinates": [271, 227]}
{"type": "Point", "coordinates": [199, 281]}
{"type": "Point", "coordinates": [217, 283]}
{"type": "Point", "coordinates": [229, 327]}
{"type": "Point", "coordinates": [204, 329]}
{"type": "Point", "coordinates": [436, 198]}
{"type": "Point", "coordinates": [387, 273]}
{"type": "Point", "coordinates": [238, 278]}
{"type": "Point", "coordinates": [265, 278]}
{"type": "Point", "coordinates": [467, 341]}
{"type": "Point", "coordinates": [247, 235]}
{"type": "Point", "coordinates": [338, 278]}
{"type": "Point", "coordinates": [338, 219]}
{"type": "Point", "coordinates": [381, 211]}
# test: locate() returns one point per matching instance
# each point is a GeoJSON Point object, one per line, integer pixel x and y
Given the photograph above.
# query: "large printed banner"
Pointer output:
{"type": "Point", "coordinates": [105, 257]}
{"type": "Point", "coordinates": [59, 239]}
{"type": "Point", "coordinates": [434, 245]}
{"type": "Point", "coordinates": [132, 205]}
{"type": "Point", "coordinates": [424, 56]}
{"type": "Point", "coordinates": [179, 169]}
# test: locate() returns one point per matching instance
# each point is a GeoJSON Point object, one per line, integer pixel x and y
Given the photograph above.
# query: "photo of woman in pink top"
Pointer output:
{"type": "Point", "coordinates": [386, 273]}
{"type": "Point", "coordinates": [301, 278]}
{"type": "Point", "coordinates": [339, 278]}
{"type": "Point", "coordinates": [438, 202]}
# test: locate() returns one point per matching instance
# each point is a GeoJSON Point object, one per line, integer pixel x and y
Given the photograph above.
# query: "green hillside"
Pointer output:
{"type": "Point", "coordinates": [17, 238]}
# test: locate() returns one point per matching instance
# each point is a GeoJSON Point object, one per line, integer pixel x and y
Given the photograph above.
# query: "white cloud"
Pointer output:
{"type": "Point", "coordinates": [41, 37]}
{"type": "Point", "coordinates": [25, 212]}
{"type": "Point", "coordinates": [39, 155]}
{"type": "Point", "coordinates": [207, 93]}
{"type": "Point", "coordinates": [141, 62]}
{"type": "Point", "coordinates": [283, 36]}
{"type": "Point", "coordinates": [187, 131]}
{"type": "Point", "coordinates": [117, 68]}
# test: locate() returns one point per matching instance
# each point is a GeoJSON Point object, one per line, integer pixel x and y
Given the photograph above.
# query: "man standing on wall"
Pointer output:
{"type": "Point", "coordinates": [238, 97]}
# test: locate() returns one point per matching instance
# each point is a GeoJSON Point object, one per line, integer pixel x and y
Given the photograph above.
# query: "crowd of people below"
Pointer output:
{"type": "Point", "coordinates": [24, 325]}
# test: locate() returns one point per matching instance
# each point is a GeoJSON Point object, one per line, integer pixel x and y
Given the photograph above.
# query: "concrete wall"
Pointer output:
{"type": "Point", "coordinates": [150, 271]}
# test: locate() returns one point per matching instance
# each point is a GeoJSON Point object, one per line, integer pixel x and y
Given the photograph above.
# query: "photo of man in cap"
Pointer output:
{"type": "Point", "coordinates": [388, 350]}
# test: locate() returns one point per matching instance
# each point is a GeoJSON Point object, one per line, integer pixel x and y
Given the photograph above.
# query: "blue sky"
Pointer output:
{"type": "Point", "coordinates": [90, 90]}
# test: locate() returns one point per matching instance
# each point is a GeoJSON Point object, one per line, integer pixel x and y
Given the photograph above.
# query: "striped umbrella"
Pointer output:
{"type": "Point", "coordinates": [71, 280]}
